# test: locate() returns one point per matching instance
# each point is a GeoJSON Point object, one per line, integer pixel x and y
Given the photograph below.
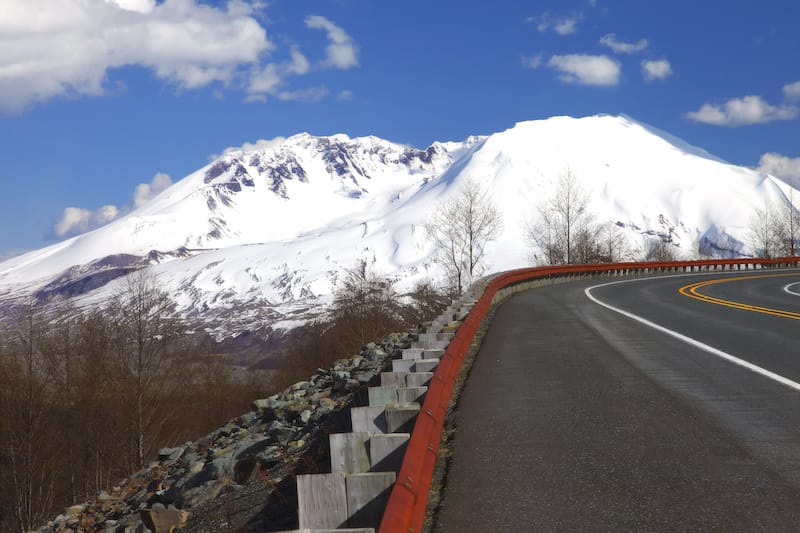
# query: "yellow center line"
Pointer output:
{"type": "Point", "coordinates": [692, 291]}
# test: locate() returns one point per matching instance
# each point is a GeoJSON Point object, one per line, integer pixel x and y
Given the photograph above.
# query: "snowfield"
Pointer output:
{"type": "Point", "coordinates": [257, 239]}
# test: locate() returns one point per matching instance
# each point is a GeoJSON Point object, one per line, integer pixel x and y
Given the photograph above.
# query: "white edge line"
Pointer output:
{"type": "Point", "coordinates": [790, 291]}
{"type": "Point", "coordinates": [692, 342]}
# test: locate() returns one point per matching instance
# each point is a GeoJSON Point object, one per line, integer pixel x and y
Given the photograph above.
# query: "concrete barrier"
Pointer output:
{"type": "Point", "coordinates": [411, 394]}
{"type": "Point", "coordinates": [365, 462]}
{"type": "Point", "coordinates": [386, 451]}
{"type": "Point", "coordinates": [402, 365]}
{"type": "Point", "coordinates": [367, 495]}
{"type": "Point", "coordinates": [349, 453]}
{"type": "Point", "coordinates": [379, 396]}
{"type": "Point", "coordinates": [400, 417]}
{"type": "Point", "coordinates": [413, 353]}
{"type": "Point", "coordinates": [370, 419]}
{"type": "Point", "coordinates": [322, 500]}
{"type": "Point", "coordinates": [425, 365]}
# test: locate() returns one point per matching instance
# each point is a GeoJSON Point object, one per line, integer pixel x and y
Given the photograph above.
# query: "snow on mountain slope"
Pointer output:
{"type": "Point", "coordinates": [634, 174]}
{"type": "Point", "coordinates": [260, 237]}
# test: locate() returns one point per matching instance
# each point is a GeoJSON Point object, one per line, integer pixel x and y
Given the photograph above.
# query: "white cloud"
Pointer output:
{"type": "Point", "coordinates": [73, 219]}
{"type": "Point", "coordinates": [656, 70]}
{"type": "Point", "coordinates": [140, 6]}
{"type": "Point", "coordinates": [299, 64]}
{"type": "Point", "coordinates": [52, 48]}
{"type": "Point", "coordinates": [566, 26]}
{"type": "Point", "coordinates": [145, 192]}
{"type": "Point", "coordinates": [345, 94]}
{"type": "Point", "coordinates": [562, 25]}
{"type": "Point", "coordinates": [311, 94]}
{"type": "Point", "coordinates": [342, 52]}
{"type": "Point", "coordinates": [586, 69]}
{"type": "Point", "coordinates": [621, 47]}
{"type": "Point", "coordinates": [260, 144]}
{"type": "Point", "coordinates": [786, 168]}
{"type": "Point", "coordinates": [77, 220]}
{"type": "Point", "coordinates": [271, 80]}
{"type": "Point", "coordinates": [792, 91]}
{"type": "Point", "coordinates": [266, 80]}
{"type": "Point", "coordinates": [107, 213]}
{"type": "Point", "coordinates": [742, 112]}
{"type": "Point", "coordinates": [533, 61]}
{"type": "Point", "coordinates": [190, 44]}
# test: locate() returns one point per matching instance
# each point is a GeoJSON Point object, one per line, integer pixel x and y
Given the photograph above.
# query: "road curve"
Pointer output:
{"type": "Point", "coordinates": [577, 417]}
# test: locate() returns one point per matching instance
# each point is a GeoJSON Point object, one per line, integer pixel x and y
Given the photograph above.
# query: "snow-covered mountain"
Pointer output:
{"type": "Point", "coordinates": [259, 237]}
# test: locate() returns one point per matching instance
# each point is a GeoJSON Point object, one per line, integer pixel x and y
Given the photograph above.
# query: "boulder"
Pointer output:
{"type": "Point", "coordinates": [170, 454]}
{"type": "Point", "coordinates": [163, 519]}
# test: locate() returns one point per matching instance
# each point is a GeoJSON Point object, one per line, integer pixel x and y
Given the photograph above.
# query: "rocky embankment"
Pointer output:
{"type": "Point", "coordinates": [240, 477]}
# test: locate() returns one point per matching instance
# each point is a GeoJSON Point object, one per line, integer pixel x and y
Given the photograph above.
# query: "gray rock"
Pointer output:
{"type": "Point", "coordinates": [264, 403]}
{"type": "Point", "coordinates": [270, 454]}
{"type": "Point", "coordinates": [247, 419]}
{"type": "Point", "coordinates": [299, 394]}
{"type": "Point", "coordinates": [321, 382]}
{"type": "Point", "coordinates": [280, 404]}
{"type": "Point", "coordinates": [327, 404]}
{"type": "Point", "coordinates": [320, 395]}
{"type": "Point", "coordinates": [367, 376]}
{"type": "Point", "coordinates": [170, 454]}
{"type": "Point", "coordinates": [376, 354]}
{"type": "Point", "coordinates": [300, 385]}
{"type": "Point", "coordinates": [190, 457]}
{"type": "Point", "coordinates": [206, 492]}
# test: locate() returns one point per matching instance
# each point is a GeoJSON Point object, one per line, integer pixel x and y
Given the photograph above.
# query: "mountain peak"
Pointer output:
{"type": "Point", "coordinates": [258, 235]}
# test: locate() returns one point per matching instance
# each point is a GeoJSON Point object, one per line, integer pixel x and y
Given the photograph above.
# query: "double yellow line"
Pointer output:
{"type": "Point", "coordinates": [692, 291]}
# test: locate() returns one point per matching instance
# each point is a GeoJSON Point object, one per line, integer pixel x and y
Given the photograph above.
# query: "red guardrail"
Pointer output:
{"type": "Point", "coordinates": [405, 512]}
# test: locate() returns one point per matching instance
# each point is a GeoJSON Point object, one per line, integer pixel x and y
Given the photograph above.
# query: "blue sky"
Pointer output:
{"type": "Point", "coordinates": [104, 102]}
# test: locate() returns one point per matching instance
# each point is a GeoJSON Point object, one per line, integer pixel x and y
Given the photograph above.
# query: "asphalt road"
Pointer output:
{"type": "Point", "coordinates": [579, 418]}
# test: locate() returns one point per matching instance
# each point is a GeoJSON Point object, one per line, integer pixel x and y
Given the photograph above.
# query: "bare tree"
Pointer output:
{"type": "Point", "coordinates": [426, 301]}
{"type": "Point", "coordinates": [460, 228]}
{"type": "Point", "coordinates": [611, 243]}
{"type": "Point", "coordinates": [102, 413]}
{"type": "Point", "coordinates": [788, 226]}
{"type": "Point", "coordinates": [109, 385]}
{"type": "Point", "coordinates": [59, 350]}
{"type": "Point", "coordinates": [5, 386]}
{"type": "Point", "coordinates": [662, 250]}
{"type": "Point", "coordinates": [365, 301]}
{"type": "Point", "coordinates": [29, 479]}
{"type": "Point", "coordinates": [146, 328]}
{"type": "Point", "coordinates": [564, 231]}
{"type": "Point", "coordinates": [765, 231]}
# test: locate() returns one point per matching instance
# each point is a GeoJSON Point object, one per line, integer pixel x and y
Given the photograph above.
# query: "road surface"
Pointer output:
{"type": "Point", "coordinates": [664, 404]}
